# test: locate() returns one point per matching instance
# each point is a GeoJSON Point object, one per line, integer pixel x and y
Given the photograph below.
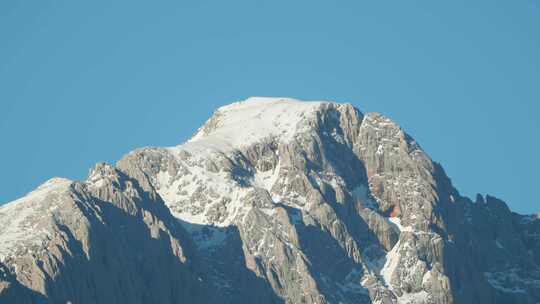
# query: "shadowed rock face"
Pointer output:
{"type": "Point", "coordinates": [271, 201]}
{"type": "Point", "coordinates": [104, 241]}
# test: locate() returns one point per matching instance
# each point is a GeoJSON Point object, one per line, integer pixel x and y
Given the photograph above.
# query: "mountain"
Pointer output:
{"type": "Point", "coordinates": [273, 200]}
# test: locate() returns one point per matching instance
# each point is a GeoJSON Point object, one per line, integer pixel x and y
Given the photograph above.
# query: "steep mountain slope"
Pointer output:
{"type": "Point", "coordinates": [273, 200]}
{"type": "Point", "coordinates": [106, 240]}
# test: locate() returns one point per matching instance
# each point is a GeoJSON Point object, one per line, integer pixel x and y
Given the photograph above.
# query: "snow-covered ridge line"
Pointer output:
{"type": "Point", "coordinates": [19, 218]}
{"type": "Point", "coordinates": [261, 101]}
{"type": "Point", "coordinates": [254, 119]}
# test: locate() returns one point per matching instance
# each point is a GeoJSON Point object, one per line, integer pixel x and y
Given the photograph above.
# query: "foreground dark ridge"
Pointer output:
{"type": "Point", "coordinates": [273, 200]}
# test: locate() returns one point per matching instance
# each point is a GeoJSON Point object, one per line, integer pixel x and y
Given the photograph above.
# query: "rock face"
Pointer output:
{"type": "Point", "coordinates": [272, 201]}
{"type": "Point", "coordinates": [102, 241]}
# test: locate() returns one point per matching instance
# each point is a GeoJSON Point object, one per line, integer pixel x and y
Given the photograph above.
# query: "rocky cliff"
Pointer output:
{"type": "Point", "coordinates": [273, 200]}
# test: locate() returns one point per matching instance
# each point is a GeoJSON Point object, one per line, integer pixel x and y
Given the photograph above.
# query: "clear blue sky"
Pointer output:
{"type": "Point", "coordinates": [88, 81]}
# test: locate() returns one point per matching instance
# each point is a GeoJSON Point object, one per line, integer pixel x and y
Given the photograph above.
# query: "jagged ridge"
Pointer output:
{"type": "Point", "coordinates": [286, 202]}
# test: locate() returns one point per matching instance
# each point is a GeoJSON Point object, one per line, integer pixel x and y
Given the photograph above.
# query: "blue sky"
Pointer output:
{"type": "Point", "coordinates": [87, 81]}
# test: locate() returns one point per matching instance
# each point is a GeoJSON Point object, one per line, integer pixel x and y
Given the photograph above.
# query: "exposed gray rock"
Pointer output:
{"type": "Point", "coordinates": [101, 241]}
{"type": "Point", "coordinates": [271, 201]}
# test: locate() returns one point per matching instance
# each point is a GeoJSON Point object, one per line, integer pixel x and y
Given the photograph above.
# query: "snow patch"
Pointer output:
{"type": "Point", "coordinates": [246, 122]}
{"type": "Point", "coordinates": [19, 218]}
{"type": "Point", "coordinates": [390, 265]}
{"type": "Point", "coordinates": [266, 179]}
{"type": "Point", "coordinates": [396, 221]}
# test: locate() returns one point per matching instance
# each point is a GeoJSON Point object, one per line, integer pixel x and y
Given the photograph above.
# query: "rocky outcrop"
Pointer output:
{"type": "Point", "coordinates": [271, 201]}
{"type": "Point", "coordinates": [105, 240]}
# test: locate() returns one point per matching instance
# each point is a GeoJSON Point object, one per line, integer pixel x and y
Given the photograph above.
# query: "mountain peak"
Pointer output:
{"type": "Point", "coordinates": [254, 119]}
{"type": "Point", "coordinates": [259, 101]}
{"type": "Point", "coordinates": [316, 201]}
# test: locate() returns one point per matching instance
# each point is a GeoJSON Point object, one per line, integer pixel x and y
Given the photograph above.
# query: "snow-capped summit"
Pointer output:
{"type": "Point", "coordinates": [273, 200]}
{"type": "Point", "coordinates": [246, 122]}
